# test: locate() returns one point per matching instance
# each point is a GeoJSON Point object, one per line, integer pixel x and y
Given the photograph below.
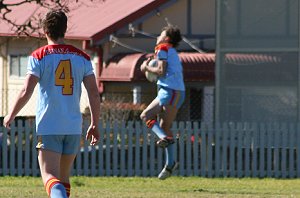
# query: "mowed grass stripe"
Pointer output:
{"type": "Point", "coordinates": [152, 187]}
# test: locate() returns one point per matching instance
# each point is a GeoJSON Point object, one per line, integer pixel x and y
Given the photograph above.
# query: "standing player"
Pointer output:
{"type": "Point", "coordinates": [170, 95]}
{"type": "Point", "coordinates": [60, 70]}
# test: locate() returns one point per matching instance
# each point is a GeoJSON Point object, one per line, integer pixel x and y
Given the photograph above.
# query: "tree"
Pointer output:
{"type": "Point", "coordinates": [33, 24]}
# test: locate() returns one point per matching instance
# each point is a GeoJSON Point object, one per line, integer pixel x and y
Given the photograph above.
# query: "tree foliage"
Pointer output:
{"type": "Point", "coordinates": [33, 24]}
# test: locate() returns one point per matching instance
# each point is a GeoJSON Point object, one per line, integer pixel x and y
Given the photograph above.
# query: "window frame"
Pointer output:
{"type": "Point", "coordinates": [19, 65]}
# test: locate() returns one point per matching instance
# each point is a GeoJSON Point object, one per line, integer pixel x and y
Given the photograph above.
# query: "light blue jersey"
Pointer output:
{"type": "Point", "coordinates": [60, 69]}
{"type": "Point", "coordinates": [173, 79]}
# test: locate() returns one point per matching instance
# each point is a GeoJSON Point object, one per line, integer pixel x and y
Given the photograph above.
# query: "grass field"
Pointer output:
{"type": "Point", "coordinates": [186, 187]}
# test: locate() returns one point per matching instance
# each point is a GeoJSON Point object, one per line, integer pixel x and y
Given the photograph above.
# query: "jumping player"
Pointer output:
{"type": "Point", "coordinates": [59, 69]}
{"type": "Point", "coordinates": [171, 93]}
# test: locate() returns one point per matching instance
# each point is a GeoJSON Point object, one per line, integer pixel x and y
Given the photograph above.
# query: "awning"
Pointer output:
{"type": "Point", "coordinates": [123, 67]}
{"type": "Point", "coordinates": [197, 67]}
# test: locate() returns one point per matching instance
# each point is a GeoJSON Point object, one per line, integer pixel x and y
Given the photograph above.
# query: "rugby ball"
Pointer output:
{"type": "Point", "coordinates": [149, 75]}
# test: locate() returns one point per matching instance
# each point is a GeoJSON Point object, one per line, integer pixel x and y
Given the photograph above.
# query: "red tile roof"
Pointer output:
{"type": "Point", "coordinates": [198, 67]}
{"type": "Point", "coordinates": [238, 58]}
{"type": "Point", "coordinates": [88, 20]}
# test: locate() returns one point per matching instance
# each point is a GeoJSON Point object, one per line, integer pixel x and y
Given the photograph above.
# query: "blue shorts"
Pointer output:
{"type": "Point", "coordinates": [64, 144]}
{"type": "Point", "coordinates": [171, 97]}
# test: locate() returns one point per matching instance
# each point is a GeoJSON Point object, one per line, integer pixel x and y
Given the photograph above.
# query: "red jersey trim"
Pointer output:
{"type": "Point", "coordinates": [58, 49]}
{"type": "Point", "coordinates": [163, 46]}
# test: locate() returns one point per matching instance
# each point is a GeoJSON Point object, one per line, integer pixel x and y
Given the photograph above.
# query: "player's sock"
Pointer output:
{"type": "Point", "coordinates": [68, 188]}
{"type": "Point", "coordinates": [55, 189]}
{"type": "Point", "coordinates": [169, 155]}
{"type": "Point", "coordinates": [153, 125]}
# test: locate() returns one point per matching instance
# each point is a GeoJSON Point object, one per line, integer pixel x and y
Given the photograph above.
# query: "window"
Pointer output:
{"type": "Point", "coordinates": [18, 65]}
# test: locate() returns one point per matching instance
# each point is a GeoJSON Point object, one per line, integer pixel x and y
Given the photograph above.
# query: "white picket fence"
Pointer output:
{"type": "Point", "coordinates": [222, 150]}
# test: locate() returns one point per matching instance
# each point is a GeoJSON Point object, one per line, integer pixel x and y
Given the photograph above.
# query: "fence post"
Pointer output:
{"type": "Point", "coordinates": [20, 130]}
{"type": "Point", "coordinates": [196, 148]}
{"type": "Point", "coordinates": [145, 158]}
{"type": "Point", "coordinates": [100, 151]}
{"type": "Point", "coordinates": [107, 149]}
{"type": "Point", "coordinates": [284, 138]}
{"type": "Point", "coordinates": [85, 151]}
{"type": "Point", "coordinates": [209, 149]}
{"type": "Point", "coordinates": [12, 150]}
{"type": "Point", "coordinates": [4, 153]}
{"type": "Point", "coordinates": [27, 148]}
{"type": "Point", "coordinates": [123, 140]}
{"type": "Point", "coordinates": [240, 138]}
{"type": "Point", "coordinates": [203, 149]}
{"type": "Point", "coordinates": [262, 145]}
{"type": "Point", "coordinates": [152, 153]}
{"type": "Point", "coordinates": [224, 149]}
{"type": "Point", "coordinates": [175, 130]}
{"type": "Point", "coordinates": [130, 154]}
{"type": "Point", "coordinates": [181, 149]}
{"type": "Point", "coordinates": [217, 149]}
{"type": "Point", "coordinates": [247, 149]}
{"type": "Point", "coordinates": [137, 148]}
{"type": "Point", "coordinates": [270, 148]}
{"type": "Point", "coordinates": [115, 148]}
{"type": "Point", "coordinates": [188, 148]}
{"type": "Point", "coordinates": [232, 146]}
{"type": "Point", "coordinates": [277, 136]}
{"type": "Point", "coordinates": [292, 150]}
{"type": "Point", "coordinates": [255, 136]}
{"type": "Point", "coordinates": [298, 150]}
{"type": "Point", "coordinates": [35, 170]}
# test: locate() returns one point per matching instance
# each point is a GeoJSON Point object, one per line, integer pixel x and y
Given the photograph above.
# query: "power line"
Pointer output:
{"type": "Point", "coordinates": [115, 40]}
{"type": "Point", "coordinates": [192, 45]}
{"type": "Point", "coordinates": [184, 39]}
{"type": "Point", "coordinates": [133, 31]}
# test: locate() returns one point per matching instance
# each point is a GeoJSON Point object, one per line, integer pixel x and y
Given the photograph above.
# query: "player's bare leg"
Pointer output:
{"type": "Point", "coordinates": [151, 111]}
{"type": "Point", "coordinates": [66, 163]}
{"type": "Point", "coordinates": [167, 118]}
{"type": "Point", "coordinates": [149, 116]}
{"type": "Point", "coordinates": [49, 162]}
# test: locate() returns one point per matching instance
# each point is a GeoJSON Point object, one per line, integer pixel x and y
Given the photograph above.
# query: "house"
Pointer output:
{"type": "Point", "coordinates": [118, 35]}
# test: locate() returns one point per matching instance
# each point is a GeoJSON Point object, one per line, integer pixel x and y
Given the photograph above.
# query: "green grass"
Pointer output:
{"type": "Point", "coordinates": [182, 187]}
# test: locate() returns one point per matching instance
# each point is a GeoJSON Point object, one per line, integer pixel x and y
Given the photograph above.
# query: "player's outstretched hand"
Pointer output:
{"type": "Point", "coordinates": [92, 135]}
{"type": "Point", "coordinates": [7, 120]}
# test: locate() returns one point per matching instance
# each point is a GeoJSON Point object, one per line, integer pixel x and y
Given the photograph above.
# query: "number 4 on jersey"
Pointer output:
{"type": "Point", "coordinates": [63, 77]}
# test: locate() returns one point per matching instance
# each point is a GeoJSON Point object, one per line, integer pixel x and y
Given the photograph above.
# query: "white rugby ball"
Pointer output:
{"type": "Point", "coordinates": [149, 75]}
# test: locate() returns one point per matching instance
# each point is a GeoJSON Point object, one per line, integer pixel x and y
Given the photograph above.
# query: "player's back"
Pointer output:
{"type": "Point", "coordinates": [61, 69]}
